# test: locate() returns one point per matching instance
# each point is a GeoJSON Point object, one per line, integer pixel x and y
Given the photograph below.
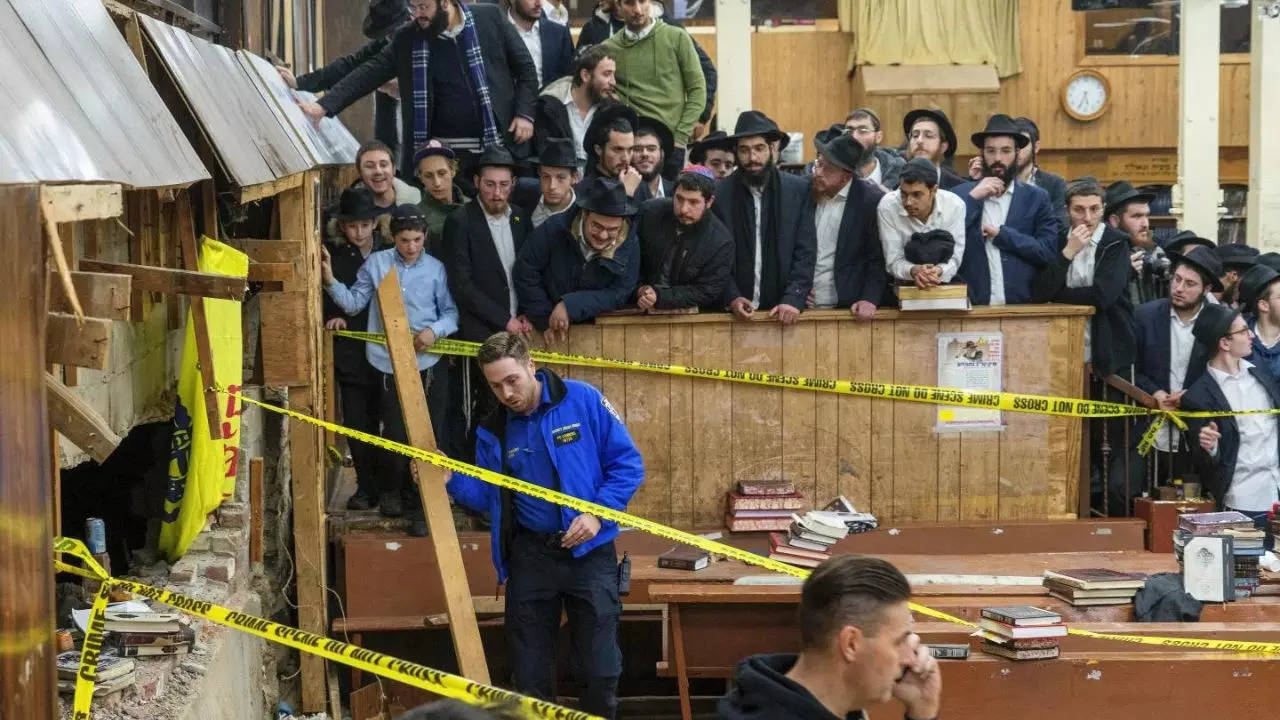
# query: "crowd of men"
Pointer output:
{"type": "Point", "coordinates": [532, 185]}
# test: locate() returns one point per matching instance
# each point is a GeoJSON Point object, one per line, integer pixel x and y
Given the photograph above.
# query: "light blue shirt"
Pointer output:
{"type": "Point", "coordinates": [426, 300]}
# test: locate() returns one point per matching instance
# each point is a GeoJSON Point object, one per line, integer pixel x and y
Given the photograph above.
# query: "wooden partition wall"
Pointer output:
{"type": "Point", "coordinates": [700, 436]}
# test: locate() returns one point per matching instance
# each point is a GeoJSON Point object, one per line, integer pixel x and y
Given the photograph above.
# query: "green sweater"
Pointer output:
{"type": "Point", "coordinates": [660, 77]}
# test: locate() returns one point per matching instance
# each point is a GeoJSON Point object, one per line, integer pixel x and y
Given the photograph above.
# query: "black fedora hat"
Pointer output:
{"type": "Point", "coordinates": [606, 114]}
{"type": "Point", "coordinates": [1213, 324]}
{"type": "Point", "coordinates": [842, 151]}
{"type": "Point", "coordinates": [606, 197]}
{"type": "Point", "coordinates": [1001, 124]}
{"type": "Point", "coordinates": [556, 152]}
{"type": "Point", "coordinates": [1120, 193]}
{"type": "Point", "coordinates": [831, 133]}
{"type": "Point", "coordinates": [495, 156]}
{"type": "Point", "coordinates": [384, 16]}
{"type": "Point", "coordinates": [1270, 259]}
{"type": "Point", "coordinates": [1204, 261]}
{"type": "Point", "coordinates": [1182, 240]}
{"type": "Point", "coordinates": [713, 141]}
{"type": "Point", "coordinates": [934, 247]}
{"type": "Point", "coordinates": [656, 127]}
{"type": "Point", "coordinates": [356, 204]}
{"type": "Point", "coordinates": [753, 123]}
{"type": "Point", "coordinates": [937, 116]}
{"type": "Point", "coordinates": [1235, 256]}
{"type": "Point", "coordinates": [1254, 283]}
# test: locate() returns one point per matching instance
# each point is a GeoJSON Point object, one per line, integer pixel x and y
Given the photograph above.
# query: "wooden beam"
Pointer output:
{"type": "Point", "coordinates": [69, 343]}
{"type": "Point", "coordinates": [171, 281]}
{"type": "Point", "coordinates": [431, 479]}
{"type": "Point", "coordinates": [133, 35]}
{"type": "Point", "coordinates": [80, 423]}
{"type": "Point", "coordinates": [186, 230]}
{"type": "Point", "coordinates": [272, 272]}
{"type": "Point", "coordinates": [269, 251]}
{"type": "Point", "coordinates": [255, 512]}
{"type": "Point", "coordinates": [103, 295]}
{"type": "Point", "coordinates": [270, 188]}
{"type": "Point", "coordinates": [209, 209]}
{"type": "Point", "coordinates": [73, 203]}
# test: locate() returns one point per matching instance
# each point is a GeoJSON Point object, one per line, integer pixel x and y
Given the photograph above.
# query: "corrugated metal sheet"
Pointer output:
{"type": "Point", "coordinates": [75, 106]}
{"type": "Point", "coordinates": [330, 144]}
{"type": "Point", "coordinates": [250, 140]}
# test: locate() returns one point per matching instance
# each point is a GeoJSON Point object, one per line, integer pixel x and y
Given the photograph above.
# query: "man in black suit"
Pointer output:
{"type": "Point", "coordinates": [770, 215]}
{"type": "Point", "coordinates": [930, 136]}
{"type": "Point", "coordinates": [654, 144]}
{"type": "Point", "coordinates": [567, 106]}
{"type": "Point", "coordinates": [451, 106]}
{"type": "Point", "coordinates": [849, 266]}
{"type": "Point", "coordinates": [685, 251]}
{"type": "Point", "coordinates": [552, 192]}
{"type": "Point", "coordinates": [1238, 456]}
{"type": "Point", "coordinates": [610, 144]}
{"type": "Point", "coordinates": [549, 43]}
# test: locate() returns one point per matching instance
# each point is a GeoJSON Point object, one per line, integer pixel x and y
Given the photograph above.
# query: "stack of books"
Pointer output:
{"type": "Point", "coordinates": [1021, 632]}
{"type": "Point", "coordinates": [809, 537]}
{"type": "Point", "coordinates": [765, 505]}
{"type": "Point", "coordinates": [1242, 548]}
{"type": "Point", "coordinates": [140, 634]}
{"type": "Point", "coordinates": [941, 297]}
{"type": "Point", "coordinates": [115, 673]}
{"type": "Point", "coordinates": [1093, 586]}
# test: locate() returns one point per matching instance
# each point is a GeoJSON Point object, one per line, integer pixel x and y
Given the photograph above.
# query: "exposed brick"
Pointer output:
{"type": "Point", "coordinates": [153, 687]}
{"type": "Point", "coordinates": [231, 515]}
{"type": "Point", "coordinates": [200, 543]}
{"type": "Point", "coordinates": [225, 543]}
{"type": "Point", "coordinates": [183, 571]}
{"type": "Point", "coordinates": [222, 569]}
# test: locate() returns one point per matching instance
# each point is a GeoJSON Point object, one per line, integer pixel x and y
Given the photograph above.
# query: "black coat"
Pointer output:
{"type": "Point", "coordinates": [700, 257]}
{"type": "Point", "coordinates": [1112, 326]}
{"type": "Point", "coordinates": [1053, 184]}
{"type": "Point", "coordinates": [513, 79]}
{"type": "Point", "coordinates": [1153, 349]}
{"type": "Point", "coordinates": [1204, 394]}
{"type": "Point", "coordinates": [551, 269]}
{"type": "Point", "coordinates": [349, 361]}
{"type": "Point", "coordinates": [597, 30]}
{"type": "Point", "coordinates": [859, 264]}
{"type": "Point", "coordinates": [948, 179]}
{"type": "Point", "coordinates": [476, 279]}
{"type": "Point", "coordinates": [796, 242]}
{"type": "Point", "coordinates": [557, 51]}
{"type": "Point", "coordinates": [644, 194]}
{"type": "Point", "coordinates": [323, 78]}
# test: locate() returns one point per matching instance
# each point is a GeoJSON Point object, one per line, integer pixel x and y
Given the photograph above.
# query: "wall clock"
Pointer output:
{"type": "Point", "coordinates": [1086, 95]}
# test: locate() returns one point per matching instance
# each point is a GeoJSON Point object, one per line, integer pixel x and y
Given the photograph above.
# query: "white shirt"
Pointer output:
{"type": "Point", "coordinates": [1080, 274]}
{"type": "Point", "coordinates": [896, 228]}
{"type": "Point", "coordinates": [532, 40]}
{"type": "Point", "coordinates": [500, 230]}
{"type": "Point", "coordinates": [1256, 481]}
{"type": "Point", "coordinates": [827, 217]}
{"type": "Point", "coordinates": [876, 175]}
{"type": "Point", "coordinates": [756, 194]}
{"type": "Point", "coordinates": [577, 125]}
{"type": "Point", "coordinates": [1181, 341]}
{"type": "Point", "coordinates": [542, 213]}
{"type": "Point", "coordinates": [995, 210]}
{"type": "Point", "coordinates": [557, 15]}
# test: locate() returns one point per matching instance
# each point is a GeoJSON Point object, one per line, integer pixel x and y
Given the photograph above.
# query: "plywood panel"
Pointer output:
{"type": "Point", "coordinates": [757, 411]}
{"type": "Point", "coordinates": [799, 347]}
{"type": "Point", "coordinates": [949, 471]}
{"type": "Point", "coordinates": [826, 430]}
{"type": "Point", "coordinates": [712, 424]}
{"type": "Point", "coordinates": [681, 429]}
{"type": "Point", "coordinates": [1025, 485]}
{"type": "Point", "coordinates": [883, 413]}
{"type": "Point", "coordinates": [806, 101]}
{"type": "Point", "coordinates": [1066, 358]}
{"type": "Point", "coordinates": [914, 441]}
{"type": "Point", "coordinates": [648, 413]}
{"type": "Point", "coordinates": [585, 340]}
{"type": "Point", "coordinates": [854, 441]}
{"type": "Point", "coordinates": [980, 457]}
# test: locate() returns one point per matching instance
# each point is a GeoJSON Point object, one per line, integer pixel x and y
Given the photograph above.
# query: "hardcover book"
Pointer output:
{"type": "Point", "coordinates": [151, 622]}
{"type": "Point", "coordinates": [1018, 633]}
{"type": "Point", "coordinates": [1021, 615]}
{"type": "Point", "coordinates": [1012, 654]}
{"type": "Point", "coordinates": [109, 666]}
{"type": "Point", "coordinates": [756, 524]}
{"type": "Point", "coordinates": [682, 557]}
{"type": "Point", "coordinates": [736, 502]}
{"type": "Point", "coordinates": [1096, 578]}
{"type": "Point", "coordinates": [766, 487]}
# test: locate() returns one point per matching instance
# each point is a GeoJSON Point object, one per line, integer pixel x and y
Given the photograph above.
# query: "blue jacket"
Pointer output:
{"type": "Point", "coordinates": [557, 51]}
{"type": "Point", "coordinates": [1028, 241]}
{"type": "Point", "coordinates": [599, 463]}
{"type": "Point", "coordinates": [551, 269]}
{"type": "Point", "coordinates": [1151, 371]}
{"type": "Point", "coordinates": [1204, 394]}
{"type": "Point", "coordinates": [1267, 357]}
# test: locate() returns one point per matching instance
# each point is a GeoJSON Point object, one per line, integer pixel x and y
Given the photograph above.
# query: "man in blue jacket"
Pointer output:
{"type": "Point", "coordinates": [1010, 229]}
{"type": "Point", "coordinates": [563, 435]}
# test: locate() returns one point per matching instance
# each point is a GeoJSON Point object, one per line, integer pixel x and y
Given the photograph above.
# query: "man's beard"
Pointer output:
{"type": "Point", "coordinates": [439, 23]}
{"type": "Point", "coordinates": [757, 178]}
{"type": "Point", "coordinates": [1187, 306]}
{"type": "Point", "coordinates": [1007, 174]}
{"type": "Point", "coordinates": [650, 175]}
{"type": "Point", "coordinates": [596, 95]}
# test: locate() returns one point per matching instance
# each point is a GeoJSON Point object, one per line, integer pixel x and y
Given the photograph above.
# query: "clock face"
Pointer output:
{"type": "Point", "coordinates": [1086, 95]}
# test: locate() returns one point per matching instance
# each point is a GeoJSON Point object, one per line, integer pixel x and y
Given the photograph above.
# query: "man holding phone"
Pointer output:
{"type": "Point", "coordinates": [857, 650]}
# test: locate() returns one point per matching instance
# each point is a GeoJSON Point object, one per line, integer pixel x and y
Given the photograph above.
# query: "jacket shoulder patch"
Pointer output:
{"type": "Point", "coordinates": [609, 406]}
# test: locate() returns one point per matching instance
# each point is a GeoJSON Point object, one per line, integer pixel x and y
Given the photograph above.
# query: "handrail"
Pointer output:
{"type": "Point", "coordinates": [1132, 391]}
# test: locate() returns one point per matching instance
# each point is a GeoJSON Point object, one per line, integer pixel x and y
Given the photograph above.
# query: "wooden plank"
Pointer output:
{"type": "Point", "coordinates": [613, 383]}
{"type": "Point", "coordinates": [757, 410]}
{"type": "Point", "coordinates": [799, 411]}
{"type": "Point", "coordinates": [69, 343]}
{"type": "Point", "coordinates": [102, 295]}
{"type": "Point", "coordinates": [1050, 310]}
{"type": "Point", "coordinates": [272, 272]}
{"type": "Point", "coordinates": [915, 444]}
{"type": "Point", "coordinates": [1024, 463]}
{"type": "Point", "coordinates": [826, 416]}
{"type": "Point", "coordinates": [306, 464]}
{"type": "Point", "coordinates": [648, 402]}
{"type": "Point", "coordinates": [713, 428]}
{"type": "Point", "coordinates": [172, 281]}
{"type": "Point", "coordinates": [185, 228]}
{"type": "Point", "coordinates": [73, 203]}
{"type": "Point", "coordinates": [682, 429]}
{"type": "Point", "coordinates": [271, 188]}
{"type": "Point", "coordinates": [882, 414]}
{"type": "Point", "coordinates": [269, 251]}
{"type": "Point", "coordinates": [948, 449]}
{"type": "Point", "coordinates": [209, 209]}
{"type": "Point", "coordinates": [980, 454]}
{"type": "Point", "coordinates": [585, 340]}
{"type": "Point", "coordinates": [854, 439]}
{"type": "Point", "coordinates": [78, 421]}
{"type": "Point", "coordinates": [256, 508]}
{"type": "Point", "coordinates": [431, 479]}
{"type": "Point", "coordinates": [1066, 360]}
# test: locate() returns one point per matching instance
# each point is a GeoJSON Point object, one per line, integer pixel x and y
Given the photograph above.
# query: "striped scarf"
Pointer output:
{"type": "Point", "coordinates": [421, 58]}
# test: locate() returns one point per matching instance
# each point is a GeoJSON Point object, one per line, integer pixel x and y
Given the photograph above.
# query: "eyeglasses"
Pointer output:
{"type": "Point", "coordinates": [1241, 330]}
{"type": "Point", "coordinates": [861, 131]}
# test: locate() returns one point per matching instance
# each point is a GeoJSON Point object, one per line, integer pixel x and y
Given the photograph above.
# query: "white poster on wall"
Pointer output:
{"type": "Point", "coordinates": [970, 361]}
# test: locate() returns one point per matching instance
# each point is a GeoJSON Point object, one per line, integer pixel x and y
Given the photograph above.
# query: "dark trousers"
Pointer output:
{"type": "Point", "coordinates": [673, 164]}
{"type": "Point", "coordinates": [386, 121]}
{"type": "Point", "coordinates": [444, 400]}
{"type": "Point", "coordinates": [542, 581]}
{"type": "Point", "coordinates": [394, 466]}
{"type": "Point", "coordinates": [362, 410]}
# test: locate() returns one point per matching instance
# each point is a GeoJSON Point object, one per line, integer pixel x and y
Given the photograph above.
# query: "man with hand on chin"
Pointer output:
{"type": "Point", "coordinates": [563, 435]}
{"type": "Point", "coordinates": [432, 315]}
{"type": "Point", "coordinates": [857, 650]}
